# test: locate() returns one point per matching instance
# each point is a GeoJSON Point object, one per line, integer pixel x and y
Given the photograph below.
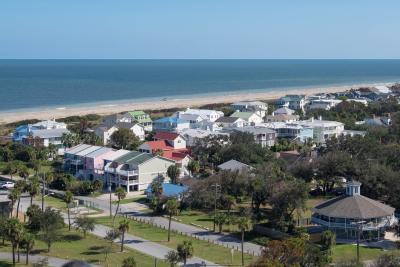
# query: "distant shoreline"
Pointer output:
{"type": "Point", "coordinates": [160, 104]}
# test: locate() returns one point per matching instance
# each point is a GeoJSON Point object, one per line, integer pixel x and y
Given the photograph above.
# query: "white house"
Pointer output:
{"type": "Point", "coordinates": [322, 129]}
{"type": "Point", "coordinates": [104, 132]}
{"type": "Point", "coordinates": [282, 118]}
{"type": "Point", "coordinates": [262, 135]}
{"type": "Point", "coordinates": [230, 122]}
{"type": "Point", "coordinates": [194, 136]}
{"type": "Point", "coordinates": [250, 118]}
{"type": "Point", "coordinates": [325, 104]}
{"type": "Point", "coordinates": [197, 115]}
{"type": "Point", "coordinates": [135, 170]}
{"type": "Point", "coordinates": [175, 140]}
{"type": "Point", "coordinates": [42, 133]}
{"type": "Point", "coordinates": [292, 101]}
{"type": "Point", "coordinates": [260, 108]}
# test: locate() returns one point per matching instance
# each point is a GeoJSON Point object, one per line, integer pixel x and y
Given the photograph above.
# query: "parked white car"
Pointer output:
{"type": "Point", "coordinates": [7, 185]}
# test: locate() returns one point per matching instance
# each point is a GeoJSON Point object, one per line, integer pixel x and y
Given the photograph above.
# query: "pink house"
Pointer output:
{"type": "Point", "coordinates": [94, 162]}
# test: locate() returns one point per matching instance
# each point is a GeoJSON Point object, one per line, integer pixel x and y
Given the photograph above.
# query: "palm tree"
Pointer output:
{"type": "Point", "coordinates": [193, 167]}
{"type": "Point", "coordinates": [173, 173]}
{"type": "Point", "coordinates": [230, 202]}
{"type": "Point", "coordinates": [47, 177]}
{"type": "Point", "coordinates": [121, 194]}
{"type": "Point", "coordinates": [13, 195]}
{"type": "Point", "coordinates": [85, 224]}
{"type": "Point", "coordinates": [21, 187]}
{"type": "Point", "coordinates": [173, 258]}
{"type": "Point", "coordinates": [220, 220]}
{"type": "Point", "coordinates": [69, 199]}
{"type": "Point", "coordinates": [123, 228]}
{"type": "Point", "coordinates": [52, 150]}
{"type": "Point", "coordinates": [157, 187]}
{"type": "Point", "coordinates": [15, 231]}
{"type": "Point", "coordinates": [172, 207]}
{"type": "Point", "coordinates": [33, 188]}
{"type": "Point", "coordinates": [12, 168]}
{"type": "Point", "coordinates": [27, 242]}
{"type": "Point", "coordinates": [23, 172]}
{"type": "Point", "coordinates": [111, 235]}
{"type": "Point", "coordinates": [36, 165]}
{"type": "Point", "coordinates": [328, 240]}
{"type": "Point", "coordinates": [185, 251]}
{"type": "Point", "coordinates": [243, 224]}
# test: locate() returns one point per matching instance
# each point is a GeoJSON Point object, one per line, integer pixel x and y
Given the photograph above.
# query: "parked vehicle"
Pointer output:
{"type": "Point", "coordinates": [7, 185]}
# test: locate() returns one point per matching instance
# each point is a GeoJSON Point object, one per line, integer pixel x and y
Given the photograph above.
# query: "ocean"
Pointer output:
{"type": "Point", "coordinates": [37, 84]}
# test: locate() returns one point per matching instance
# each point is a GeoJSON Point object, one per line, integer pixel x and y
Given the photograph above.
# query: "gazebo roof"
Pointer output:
{"type": "Point", "coordinates": [353, 207]}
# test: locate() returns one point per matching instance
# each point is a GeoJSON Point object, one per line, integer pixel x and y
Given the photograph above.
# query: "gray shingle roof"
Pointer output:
{"type": "Point", "coordinates": [356, 207]}
{"type": "Point", "coordinates": [234, 165]}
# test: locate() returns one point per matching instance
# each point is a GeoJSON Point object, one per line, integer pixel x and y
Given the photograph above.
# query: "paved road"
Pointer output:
{"type": "Point", "coordinates": [147, 247]}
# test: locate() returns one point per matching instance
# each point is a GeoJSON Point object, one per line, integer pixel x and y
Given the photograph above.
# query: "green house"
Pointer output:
{"type": "Point", "coordinates": [142, 118]}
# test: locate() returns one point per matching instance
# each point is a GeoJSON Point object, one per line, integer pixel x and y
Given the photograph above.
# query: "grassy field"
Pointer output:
{"type": "Point", "coordinates": [202, 249]}
{"type": "Point", "coordinates": [73, 246]}
{"type": "Point", "coordinates": [58, 203]}
{"type": "Point", "coordinates": [203, 219]}
{"type": "Point", "coordinates": [138, 199]}
{"type": "Point", "coordinates": [348, 252]}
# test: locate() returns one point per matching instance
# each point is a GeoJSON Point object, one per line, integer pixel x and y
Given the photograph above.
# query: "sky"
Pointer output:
{"type": "Point", "coordinates": [202, 29]}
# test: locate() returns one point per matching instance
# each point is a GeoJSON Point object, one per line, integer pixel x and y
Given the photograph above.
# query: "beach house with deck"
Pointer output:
{"type": "Point", "coordinates": [135, 170]}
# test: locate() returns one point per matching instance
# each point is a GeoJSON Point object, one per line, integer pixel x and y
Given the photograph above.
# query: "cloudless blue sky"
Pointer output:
{"type": "Point", "coordinates": [199, 29]}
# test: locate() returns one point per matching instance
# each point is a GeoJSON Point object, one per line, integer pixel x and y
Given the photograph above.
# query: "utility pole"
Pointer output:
{"type": "Point", "coordinates": [215, 204]}
{"type": "Point", "coordinates": [359, 229]}
{"type": "Point", "coordinates": [109, 191]}
{"type": "Point", "coordinates": [43, 189]}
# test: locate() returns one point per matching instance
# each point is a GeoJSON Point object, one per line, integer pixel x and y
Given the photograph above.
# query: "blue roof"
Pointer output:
{"type": "Point", "coordinates": [170, 190]}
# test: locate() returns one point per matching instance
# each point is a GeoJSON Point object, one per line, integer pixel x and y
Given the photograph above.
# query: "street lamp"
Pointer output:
{"type": "Point", "coordinates": [359, 225]}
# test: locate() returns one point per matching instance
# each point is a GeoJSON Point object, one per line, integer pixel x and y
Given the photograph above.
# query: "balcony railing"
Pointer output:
{"type": "Point", "coordinates": [127, 172]}
{"type": "Point", "coordinates": [124, 182]}
{"type": "Point", "coordinates": [109, 169]}
{"type": "Point", "coordinates": [349, 225]}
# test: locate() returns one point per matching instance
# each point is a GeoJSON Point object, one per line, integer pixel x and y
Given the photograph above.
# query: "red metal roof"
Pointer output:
{"type": "Point", "coordinates": [160, 144]}
{"type": "Point", "coordinates": [165, 136]}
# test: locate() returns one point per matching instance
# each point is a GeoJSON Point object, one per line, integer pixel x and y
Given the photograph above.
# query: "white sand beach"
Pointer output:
{"type": "Point", "coordinates": [8, 117]}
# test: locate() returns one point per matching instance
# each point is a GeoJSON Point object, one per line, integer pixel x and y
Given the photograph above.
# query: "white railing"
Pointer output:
{"type": "Point", "coordinates": [127, 173]}
{"type": "Point", "coordinates": [124, 182]}
{"type": "Point", "coordinates": [366, 226]}
{"type": "Point", "coordinates": [109, 169]}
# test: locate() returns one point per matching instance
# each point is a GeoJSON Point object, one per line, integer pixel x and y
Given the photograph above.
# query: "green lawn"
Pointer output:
{"type": "Point", "coordinates": [203, 219]}
{"type": "Point", "coordinates": [58, 203]}
{"type": "Point", "coordinates": [348, 252]}
{"type": "Point", "coordinates": [74, 246]}
{"type": "Point", "coordinates": [202, 249]}
{"type": "Point", "coordinates": [138, 199]}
